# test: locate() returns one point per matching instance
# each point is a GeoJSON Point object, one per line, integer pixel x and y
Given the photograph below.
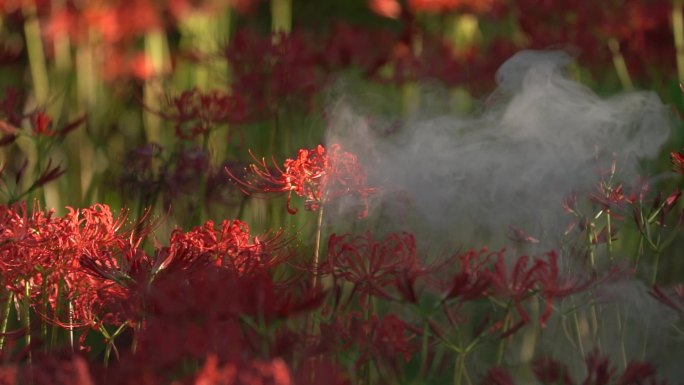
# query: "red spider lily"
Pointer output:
{"type": "Point", "coordinates": [473, 280]}
{"type": "Point", "coordinates": [190, 314]}
{"type": "Point", "coordinates": [62, 368]}
{"type": "Point", "coordinates": [114, 21]}
{"type": "Point", "coordinates": [379, 338]}
{"type": "Point", "coordinates": [672, 298]}
{"type": "Point", "coordinates": [28, 248]}
{"type": "Point", "coordinates": [245, 6]}
{"type": "Point", "coordinates": [319, 175]}
{"type": "Point", "coordinates": [550, 371]}
{"type": "Point", "coordinates": [275, 372]}
{"type": "Point", "coordinates": [271, 71]}
{"type": "Point", "coordinates": [598, 368]}
{"type": "Point", "coordinates": [516, 286]}
{"type": "Point", "coordinates": [677, 159]}
{"type": "Point", "coordinates": [197, 112]}
{"type": "Point", "coordinates": [439, 6]}
{"type": "Point", "coordinates": [42, 124]}
{"type": "Point", "coordinates": [610, 197]}
{"type": "Point", "coordinates": [385, 8]}
{"type": "Point", "coordinates": [369, 264]}
{"type": "Point", "coordinates": [518, 235]}
{"type": "Point", "coordinates": [92, 233]}
{"type": "Point", "coordinates": [497, 376]}
{"type": "Point", "coordinates": [353, 46]}
{"type": "Point", "coordinates": [553, 285]}
{"type": "Point", "coordinates": [232, 246]}
{"type": "Point", "coordinates": [601, 372]}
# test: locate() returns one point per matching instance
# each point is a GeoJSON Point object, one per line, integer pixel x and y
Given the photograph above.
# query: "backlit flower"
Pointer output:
{"type": "Point", "coordinates": [318, 175]}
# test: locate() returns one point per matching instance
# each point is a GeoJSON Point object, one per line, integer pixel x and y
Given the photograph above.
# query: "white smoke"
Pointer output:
{"type": "Point", "coordinates": [535, 141]}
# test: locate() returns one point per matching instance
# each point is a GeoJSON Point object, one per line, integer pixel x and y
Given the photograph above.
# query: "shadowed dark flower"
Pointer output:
{"type": "Point", "coordinates": [370, 264]}
{"type": "Point", "coordinates": [677, 159]}
{"type": "Point", "coordinates": [196, 113]}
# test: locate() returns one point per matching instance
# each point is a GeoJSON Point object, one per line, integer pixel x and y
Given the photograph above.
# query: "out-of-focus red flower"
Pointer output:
{"type": "Point", "coordinates": [497, 376]}
{"type": "Point", "coordinates": [472, 280]}
{"type": "Point", "coordinates": [385, 8]}
{"type": "Point", "coordinates": [319, 175]}
{"type": "Point", "coordinates": [53, 369]}
{"type": "Point", "coordinates": [196, 113]}
{"type": "Point", "coordinates": [272, 71]}
{"type": "Point", "coordinates": [370, 264]}
{"type": "Point", "coordinates": [440, 6]}
{"type": "Point", "coordinates": [42, 124]}
{"type": "Point", "coordinates": [550, 371]}
{"type": "Point", "coordinates": [542, 276]}
{"type": "Point", "coordinates": [672, 297]}
{"type": "Point", "coordinates": [387, 340]}
{"type": "Point", "coordinates": [677, 159]}
{"type": "Point", "coordinates": [554, 285]}
{"type": "Point", "coordinates": [517, 285]}
{"type": "Point", "coordinates": [245, 6]}
{"type": "Point", "coordinates": [355, 46]}
{"type": "Point", "coordinates": [275, 372]}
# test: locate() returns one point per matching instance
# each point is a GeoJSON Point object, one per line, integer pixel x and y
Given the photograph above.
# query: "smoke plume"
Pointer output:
{"type": "Point", "coordinates": [536, 138]}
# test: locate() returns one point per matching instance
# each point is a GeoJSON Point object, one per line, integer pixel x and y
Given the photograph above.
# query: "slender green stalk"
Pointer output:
{"type": "Point", "coordinates": [620, 64]}
{"type": "Point", "coordinates": [424, 351]}
{"type": "Point", "coordinates": [621, 329]}
{"type": "Point", "coordinates": [502, 344]}
{"type": "Point", "coordinates": [312, 320]}
{"type": "Point", "coordinates": [609, 237]}
{"type": "Point", "coordinates": [5, 318]}
{"type": "Point", "coordinates": [678, 32]}
{"type": "Point", "coordinates": [36, 54]}
{"type": "Point", "coordinates": [459, 368]}
{"type": "Point", "coordinates": [71, 322]}
{"type": "Point", "coordinates": [656, 262]}
{"type": "Point", "coordinates": [317, 245]}
{"type": "Point", "coordinates": [281, 16]}
{"type": "Point", "coordinates": [26, 310]}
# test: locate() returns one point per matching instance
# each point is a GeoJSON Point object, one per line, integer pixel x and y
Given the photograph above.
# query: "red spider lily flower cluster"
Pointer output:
{"type": "Point", "coordinates": [371, 265]}
{"type": "Point", "coordinates": [640, 28]}
{"type": "Point", "coordinates": [487, 274]}
{"type": "Point", "coordinates": [383, 339]}
{"type": "Point", "coordinates": [320, 175]}
{"type": "Point", "coordinates": [542, 276]}
{"type": "Point", "coordinates": [275, 372]}
{"type": "Point", "coordinates": [271, 71]}
{"type": "Point", "coordinates": [231, 246]}
{"type": "Point", "coordinates": [599, 371]}
{"type": "Point", "coordinates": [197, 112]}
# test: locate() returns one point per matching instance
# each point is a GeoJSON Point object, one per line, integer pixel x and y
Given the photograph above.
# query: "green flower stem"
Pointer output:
{"type": "Point", "coordinates": [26, 310]}
{"type": "Point", "coordinates": [424, 351]}
{"type": "Point", "coordinates": [502, 343]}
{"type": "Point", "coordinates": [620, 64]}
{"type": "Point", "coordinates": [5, 318]}
{"type": "Point", "coordinates": [678, 32]}
{"type": "Point", "coordinates": [36, 54]}
{"type": "Point", "coordinates": [609, 240]}
{"type": "Point", "coordinates": [281, 16]}
{"type": "Point", "coordinates": [459, 368]}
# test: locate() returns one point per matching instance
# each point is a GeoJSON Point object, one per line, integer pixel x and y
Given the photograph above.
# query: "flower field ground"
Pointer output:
{"type": "Point", "coordinates": [293, 192]}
